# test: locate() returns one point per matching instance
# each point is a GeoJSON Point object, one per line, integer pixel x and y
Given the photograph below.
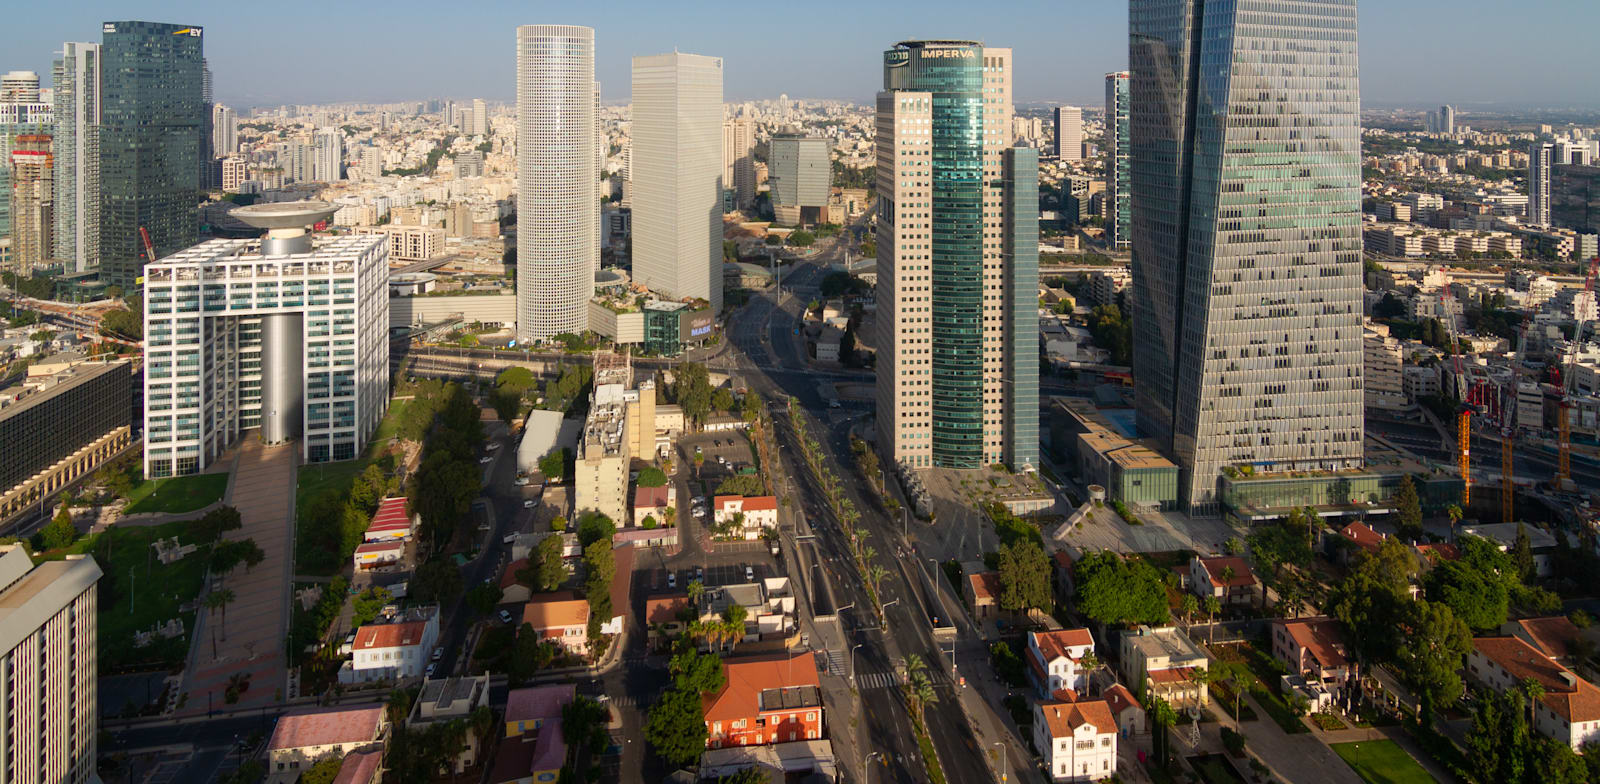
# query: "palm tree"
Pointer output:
{"type": "Point", "coordinates": [875, 575]}
{"type": "Point", "coordinates": [697, 590]}
{"type": "Point", "coordinates": [1227, 581]}
{"type": "Point", "coordinates": [1455, 517]}
{"type": "Point", "coordinates": [1213, 609]}
{"type": "Point", "coordinates": [1090, 664]}
{"type": "Point", "coordinates": [670, 516]}
{"type": "Point", "coordinates": [1189, 605]}
{"type": "Point", "coordinates": [214, 601]}
{"type": "Point", "coordinates": [1532, 690]}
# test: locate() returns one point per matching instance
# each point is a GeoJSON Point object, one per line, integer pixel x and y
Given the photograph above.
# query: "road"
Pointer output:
{"type": "Point", "coordinates": [768, 357]}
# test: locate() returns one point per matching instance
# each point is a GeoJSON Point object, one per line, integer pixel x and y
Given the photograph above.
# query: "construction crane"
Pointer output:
{"type": "Point", "coordinates": [149, 247]}
{"type": "Point", "coordinates": [1463, 393]}
{"type": "Point", "coordinates": [1508, 428]}
{"type": "Point", "coordinates": [1563, 412]}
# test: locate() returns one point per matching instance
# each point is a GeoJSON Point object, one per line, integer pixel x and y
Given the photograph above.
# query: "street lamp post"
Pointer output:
{"type": "Point", "coordinates": [853, 661]}
{"type": "Point", "coordinates": [865, 760]}
{"type": "Point", "coordinates": [1003, 759]}
{"type": "Point", "coordinates": [883, 624]}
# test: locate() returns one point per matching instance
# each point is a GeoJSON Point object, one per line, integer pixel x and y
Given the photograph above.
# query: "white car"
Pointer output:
{"type": "Point", "coordinates": [493, 445]}
{"type": "Point", "coordinates": [528, 504]}
{"type": "Point", "coordinates": [672, 579]}
{"type": "Point", "coordinates": [749, 574]}
{"type": "Point", "coordinates": [486, 459]}
{"type": "Point", "coordinates": [505, 617]}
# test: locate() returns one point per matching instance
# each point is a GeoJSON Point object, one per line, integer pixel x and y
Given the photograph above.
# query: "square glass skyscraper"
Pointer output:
{"type": "Point", "coordinates": [1246, 236]}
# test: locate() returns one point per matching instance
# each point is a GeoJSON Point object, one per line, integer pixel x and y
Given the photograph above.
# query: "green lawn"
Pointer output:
{"type": "Point", "coordinates": [315, 479]}
{"type": "Point", "coordinates": [139, 592]}
{"type": "Point", "coordinates": [178, 494]}
{"type": "Point", "coordinates": [1381, 762]}
{"type": "Point", "coordinates": [388, 427]}
{"type": "Point", "coordinates": [1213, 769]}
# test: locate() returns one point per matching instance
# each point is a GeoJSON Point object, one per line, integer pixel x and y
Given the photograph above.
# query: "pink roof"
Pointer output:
{"type": "Point", "coordinates": [539, 702]}
{"type": "Point", "coordinates": [327, 727]}
{"type": "Point", "coordinates": [649, 497]}
{"type": "Point", "coordinates": [359, 767]}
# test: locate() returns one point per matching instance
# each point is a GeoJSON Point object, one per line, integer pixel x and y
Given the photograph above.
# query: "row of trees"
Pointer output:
{"type": "Point", "coordinates": [331, 523]}
{"type": "Point", "coordinates": [448, 478]}
{"type": "Point", "coordinates": [1112, 333]}
{"type": "Point", "coordinates": [676, 727]}
{"type": "Point", "coordinates": [843, 508]}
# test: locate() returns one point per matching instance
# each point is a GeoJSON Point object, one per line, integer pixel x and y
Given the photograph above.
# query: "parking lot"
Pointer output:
{"type": "Point", "coordinates": [731, 446]}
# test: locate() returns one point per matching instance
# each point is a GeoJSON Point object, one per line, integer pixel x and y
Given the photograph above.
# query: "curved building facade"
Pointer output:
{"type": "Point", "coordinates": [558, 192]}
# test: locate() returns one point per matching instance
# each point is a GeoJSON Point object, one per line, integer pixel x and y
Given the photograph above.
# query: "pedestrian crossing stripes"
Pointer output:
{"type": "Point", "coordinates": [877, 680]}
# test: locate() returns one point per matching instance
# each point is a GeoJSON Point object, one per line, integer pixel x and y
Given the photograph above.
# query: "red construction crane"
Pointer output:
{"type": "Point", "coordinates": [149, 247]}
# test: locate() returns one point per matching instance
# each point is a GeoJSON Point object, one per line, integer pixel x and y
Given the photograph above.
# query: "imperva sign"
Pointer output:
{"type": "Point", "coordinates": [936, 54]}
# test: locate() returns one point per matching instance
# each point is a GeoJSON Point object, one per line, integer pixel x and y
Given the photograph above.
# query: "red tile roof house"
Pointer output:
{"type": "Point", "coordinates": [390, 522]}
{"type": "Point", "coordinates": [511, 591]}
{"type": "Point", "coordinates": [1077, 741]}
{"type": "Point", "coordinates": [760, 512]}
{"type": "Point", "coordinates": [773, 698]}
{"type": "Point", "coordinates": [1313, 648]}
{"type": "Point", "coordinates": [1054, 660]}
{"type": "Point", "coordinates": [1569, 711]}
{"type": "Point", "coordinates": [983, 594]}
{"type": "Point", "coordinates": [1125, 708]}
{"type": "Point", "coordinates": [534, 748]}
{"type": "Point", "coordinates": [302, 738]}
{"type": "Point", "coordinates": [1362, 537]}
{"type": "Point", "coordinates": [1212, 577]}
{"type": "Point", "coordinates": [391, 651]}
{"type": "Point", "coordinates": [1552, 636]}
{"type": "Point", "coordinates": [360, 767]}
{"type": "Point", "coordinates": [560, 617]}
{"type": "Point", "coordinates": [653, 502]}
{"type": "Point", "coordinates": [663, 614]}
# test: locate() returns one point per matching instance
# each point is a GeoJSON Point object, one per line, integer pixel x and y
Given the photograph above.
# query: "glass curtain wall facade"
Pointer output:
{"type": "Point", "coordinates": [1246, 244]}
{"type": "Point", "coordinates": [952, 255]}
{"type": "Point", "coordinates": [152, 117]}
{"type": "Point", "coordinates": [77, 153]}
{"type": "Point", "coordinates": [1022, 307]}
{"type": "Point", "coordinates": [1117, 149]}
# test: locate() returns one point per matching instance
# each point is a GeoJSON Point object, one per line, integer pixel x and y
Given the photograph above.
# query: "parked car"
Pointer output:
{"type": "Point", "coordinates": [529, 504]}
{"type": "Point", "coordinates": [699, 573]}
{"type": "Point", "coordinates": [672, 579]}
{"type": "Point", "coordinates": [505, 617]}
{"type": "Point", "coordinates": [750, 574]}
{"type": "Point", "coordinates": [428, 673]}
{"type": "Point", "coordinates": [486, 458]}
{"type": "Point", "coordinates": [438, 653]}
{"type": "Point", "coordinates": [493, 445]}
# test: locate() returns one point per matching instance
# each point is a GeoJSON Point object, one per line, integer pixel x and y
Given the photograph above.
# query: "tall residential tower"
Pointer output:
{"type": "Point", "coordinates": [1246, 236]}
{"type": "Point", "coordinates": [558, 189]}
{"type": "Point", "coordinates": [77, 153]}
{"type": "Point", "coordinates": [957, 246]}
{"type": "Point", "coordinates": [1069, 133]}
{"type": "Point", "coordinates": [677, 175]}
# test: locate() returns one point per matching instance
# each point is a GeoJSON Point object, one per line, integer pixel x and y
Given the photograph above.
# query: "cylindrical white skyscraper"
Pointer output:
{"type": "Point", "coordinates": [558, 193]}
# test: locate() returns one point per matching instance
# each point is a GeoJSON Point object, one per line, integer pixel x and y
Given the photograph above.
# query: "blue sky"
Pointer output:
{"type": "Point", "coordinates": [1420, 52]}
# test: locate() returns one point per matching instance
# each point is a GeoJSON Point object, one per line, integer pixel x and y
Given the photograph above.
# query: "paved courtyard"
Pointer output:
{"type": "Point", "coordinates": [250, 643]}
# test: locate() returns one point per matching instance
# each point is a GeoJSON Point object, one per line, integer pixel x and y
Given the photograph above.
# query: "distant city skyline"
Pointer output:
{"type": "Point", "coordinates": [1062, 50]}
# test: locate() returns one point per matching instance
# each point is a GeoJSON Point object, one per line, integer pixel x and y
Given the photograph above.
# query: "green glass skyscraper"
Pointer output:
{"type": "Point", "coordinates": [957, 240]}
{"type": "Point", "coordinates": [152, 117]}
{"type": "Point", "coordinates": [1246, 201]}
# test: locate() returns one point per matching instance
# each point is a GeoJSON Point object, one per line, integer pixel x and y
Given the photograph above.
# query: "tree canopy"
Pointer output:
{"type": "Point", "coordinates": [1120, 591]}
{"type": "Point", "coordinates": [1024, 577]}
{"type": "Point", "coordinates": [651, 477]}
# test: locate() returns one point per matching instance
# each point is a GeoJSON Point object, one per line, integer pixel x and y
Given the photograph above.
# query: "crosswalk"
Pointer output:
{"type": "Point", "coordinates": [877, 680]}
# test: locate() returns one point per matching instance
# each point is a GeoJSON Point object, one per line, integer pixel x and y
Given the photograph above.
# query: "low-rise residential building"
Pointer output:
{"type": "Point", "coordinates": [392, 649]}
{"type": "Point", "coordinates": [1055, 661]}
{"type": "Point", "coordinates": [374, 555]}
{"type": "Point", "coordinates": [304, 737]}
{"type": "Point", "coordinates": [560, 617]}
{"type": "Point", "coordinates": [533, 749]}
{"type": "Point", "coordinates": [1311, 647]}
{"type": "Point", "coordinates": [1125, 708]}
{"type": "Point", "coordinates": [1076, 740]}
{"type": "Point", "coordinates": [1554, 636]}
{"type": "Point", "coordinates": [766, 699]}
{"type": "Point", "coordinates": [653, 503]}
{"type": "Point", "coordinates": [745, 516]}
{"type": "Point", "coordinates": [664, 614]}
{"type": "Point", "coordinates": [1569, 709]}
{"type": "Point", "coordinates": [1228, 578]}
{"type": "Point", "coordinates": [982, 592]}
{"type": "Point", "coordinates": [452, 699]}
{"type": "Point", "coordinates": [1162, 660]}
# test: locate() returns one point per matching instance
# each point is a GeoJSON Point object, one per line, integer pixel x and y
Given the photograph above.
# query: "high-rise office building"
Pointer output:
{"type": "Point", "coordinates": [51, 666]}
{"type": "Point", "coordinates": [32, 197]}
{"type": "Point", "coordinates": [224, 131]}
{"type": "Point", "coordinates": [954, 250]}
{"type": "Point", "coordinates": [1575, 198]}
{"type": "Point", "coordinates": [1447, 120]}
{"type": "Point", "coordinates": [1540, 157]}
{"type": "Point", "coordinates": [677, 176]}
{"type": "Point", "coordinates": [17, 121]}
{"type": "Point", "coordinates": [558, 190]}
{"type": "Point", "coordinates": [208, 154]}
{"type": "Point", "coordinates": [800, 176]}
{"type": "Point", "coordinates": [152, 118]}
{"type": "Point", "coordinates": [1247, 338]}
{"type": "Point", "coordinates": [738, 160]}
{"type": "Point", "coordinates": [327, 155]}
{"type": "Point", "coordinates": [19, 87]}
{"type": "Point", "coordinates": [275, 333]}
{"type": "Point", "coordinates": [480, 117]}
{"type": "Point", "coordinates": [1118, 216]}
{"type": "Point", "coordinates": [1069, 133]}
{"type": "Point", "coordinates": [71, 416]}
{"type": "Point", "coordinates": [77, 153]}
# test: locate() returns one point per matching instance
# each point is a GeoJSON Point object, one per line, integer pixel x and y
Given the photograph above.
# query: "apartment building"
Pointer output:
{"type": "Point", "coordinates": [1382, 365]}
{"type": "Point", "coordinates": [774, 698]}
{"type": "Point", "coordinates": [407, 243]}
{"type": "Point", "coordinates": [560, 617]}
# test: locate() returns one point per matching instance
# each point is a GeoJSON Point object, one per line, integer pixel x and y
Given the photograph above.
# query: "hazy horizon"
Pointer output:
{"type": "Point", "coordinates": [1426, 53]}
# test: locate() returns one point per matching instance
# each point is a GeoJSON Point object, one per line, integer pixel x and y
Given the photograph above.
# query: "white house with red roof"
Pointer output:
{"type": "Point", "coordinates": [302, 738]}
{"type": "Point", "coordinates": [1569, 709]}
{"type": "Point", "coordinates": [390, 522]}
{"type": "Point", "coordinates": [1055, 660]}
{"type": "Point", "coordinates": [1227, 577]}
{"type": "Point", "coordinates": [376, 555]}
{"type": "Point", "coordinates": [1077, 741]}
{"type": "Point", "coordinates": [560, 617]}
{"type": "Point", "coordinates": [759, 512]}
{"type": "Point", "coordinates": [1313, 648]}
{"type": "Point", "coordinates": [393, 650]}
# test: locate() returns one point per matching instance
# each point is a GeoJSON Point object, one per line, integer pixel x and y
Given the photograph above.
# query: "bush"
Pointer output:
{"type": "Point", "coordinates": [1233, 741]}
{"type": "Point", "coordinates": [651, 477]}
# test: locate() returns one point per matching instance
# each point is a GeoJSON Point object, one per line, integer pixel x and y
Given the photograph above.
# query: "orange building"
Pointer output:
{"type": "Point", "coordinates": [766, 699]}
